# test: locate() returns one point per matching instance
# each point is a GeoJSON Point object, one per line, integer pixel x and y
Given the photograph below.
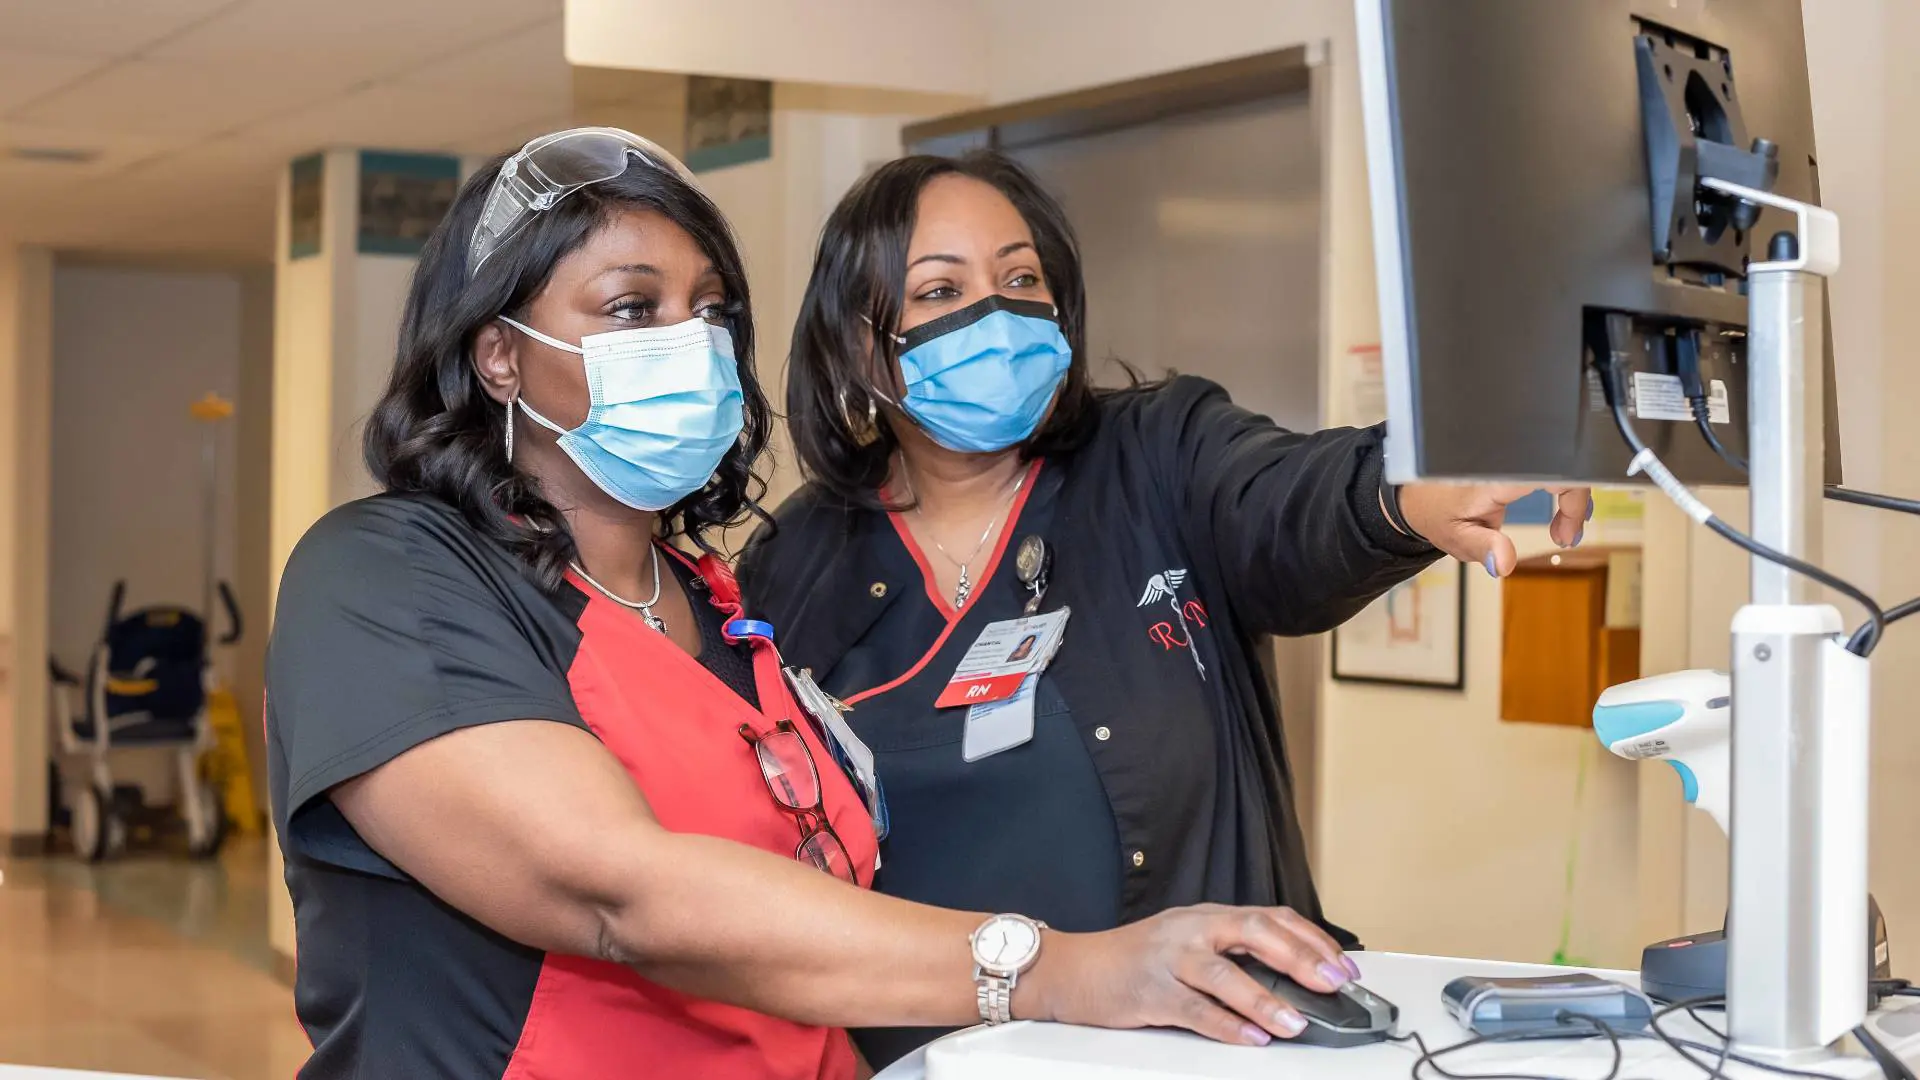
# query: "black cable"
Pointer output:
{"type": "Point", "coordinates": [1724, 1052]}
{"type": "Point", "coordinates": [1893, 1067]}
{"type": "Point", "coordinates": [1429, 1058]}
{"type": "Point", "coordinates": [1863, 640]}
{"type": "Point", "coordinates": [1693, 1013]}
{"type": "Point", "coordinates": [1832, 491]}
{"type": "Point", "coordinates": [1901, 611]}
{"type": "Point", "coordinates": [1686, 358]}
{"type": "Point", "coordinates": [1717, 1070]}
{"type": "Point", "coordinates": [1701, 421]}
{"type": "Point", "coordinates": [1873, 499]}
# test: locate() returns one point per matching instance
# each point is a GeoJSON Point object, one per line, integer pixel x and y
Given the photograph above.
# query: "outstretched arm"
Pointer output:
{"type": "Point", "coordinates": [534, 829]}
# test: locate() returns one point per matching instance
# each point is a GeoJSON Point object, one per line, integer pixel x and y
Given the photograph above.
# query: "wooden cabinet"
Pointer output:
{"type": "Point", "coordinates": [1558, 647]}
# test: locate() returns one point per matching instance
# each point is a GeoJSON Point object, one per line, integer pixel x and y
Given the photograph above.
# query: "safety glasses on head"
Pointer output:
{"type": "Point", "coordinates": [549, 169]}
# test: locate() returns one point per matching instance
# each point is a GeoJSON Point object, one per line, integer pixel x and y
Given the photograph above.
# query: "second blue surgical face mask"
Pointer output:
{"type": "Point", "coordinates": [665, 407]}
{"type": "Point", "coordinates": [981, 379]}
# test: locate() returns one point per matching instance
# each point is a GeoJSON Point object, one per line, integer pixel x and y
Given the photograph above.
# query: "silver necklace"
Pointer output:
{"type": "Point", "coordinates": [644, 607]}
{"type": "Point", "coordinates": [962, 589]}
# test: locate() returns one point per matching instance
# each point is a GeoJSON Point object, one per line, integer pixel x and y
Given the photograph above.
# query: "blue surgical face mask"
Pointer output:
{"type": "Point", "coordinates": [982, 378]}
{"type": "Point", "coordinates": [665, 407]}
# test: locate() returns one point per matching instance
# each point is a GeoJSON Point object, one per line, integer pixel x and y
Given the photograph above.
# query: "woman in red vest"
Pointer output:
{"type": "Point", "coordinates": [549, 807]}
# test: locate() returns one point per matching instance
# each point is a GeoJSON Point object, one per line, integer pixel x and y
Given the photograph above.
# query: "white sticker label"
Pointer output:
{"type": "Point", "coordinates": [1659, 397]}
{"type": "Point", "coordinates": [1644, 748]}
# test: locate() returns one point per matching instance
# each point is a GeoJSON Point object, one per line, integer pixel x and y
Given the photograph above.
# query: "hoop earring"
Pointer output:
{"type": "Point", "coordinates": [510, 402]}
{"type": "Point", "coordinates": [863, 433]}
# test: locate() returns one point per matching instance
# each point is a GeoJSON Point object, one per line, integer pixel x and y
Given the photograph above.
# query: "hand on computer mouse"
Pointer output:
{"type": "Point", "coordinates": [1172, 970]}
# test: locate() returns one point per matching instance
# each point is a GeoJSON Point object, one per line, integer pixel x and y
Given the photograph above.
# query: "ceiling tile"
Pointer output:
{"type": "Point", "coordinates": [362, 39]}
{"type": "Point", "coordinates": [180, 99]}
{"type": "Point", "coordinates": [395, 117]}
{"type": "Point", "coordinates": [98, 27]}
{"type": "Point", "coordinates": [532, 61]}
{"type": "Point", "coordinates": [26, 75]}
{"type": "Point", "coordinates": [107, 153]}
{"type": "Point", "coordinates": [284, 77]}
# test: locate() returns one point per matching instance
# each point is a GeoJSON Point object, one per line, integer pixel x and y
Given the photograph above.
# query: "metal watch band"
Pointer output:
{"type": "Point", "coordinates": [995, 998]}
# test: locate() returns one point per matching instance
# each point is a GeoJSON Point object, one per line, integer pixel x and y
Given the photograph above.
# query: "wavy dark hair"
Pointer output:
{"type": "Point", "coordinates": [860, 279]}
{"type": "Point", "coordinates": [437, 432]}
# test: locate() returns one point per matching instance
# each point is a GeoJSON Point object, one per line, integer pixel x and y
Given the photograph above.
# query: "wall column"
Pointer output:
{"type": "Point", "coordinates": [26, 403]}
{"type": "Point", "coordinates": [340, 283]}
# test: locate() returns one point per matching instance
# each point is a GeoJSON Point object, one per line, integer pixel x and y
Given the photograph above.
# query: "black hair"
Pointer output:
{"type": "Point", "coordinates": [437, 432]}
{"type": "Point", "coordinates": [859, 282]}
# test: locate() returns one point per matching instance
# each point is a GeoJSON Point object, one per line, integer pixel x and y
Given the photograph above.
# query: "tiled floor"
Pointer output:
{"type": "Point", "coordinates": [148, 965]}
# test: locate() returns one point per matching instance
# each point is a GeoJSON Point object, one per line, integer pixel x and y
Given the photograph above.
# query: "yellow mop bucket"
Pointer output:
{"type": "Point", "coordinates": [224, 765]}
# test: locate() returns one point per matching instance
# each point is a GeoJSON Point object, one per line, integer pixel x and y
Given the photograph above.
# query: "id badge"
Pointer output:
{"type": "Point", "coordinates": [1000, 660]}
{"type": "Point", "coordinates": [849, 751]}
{"type": "Point", "coordinates": [996, 726]}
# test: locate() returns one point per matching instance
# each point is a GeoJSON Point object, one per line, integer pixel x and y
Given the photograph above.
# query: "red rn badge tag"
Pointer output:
{"type": "Point", "coordinates": [1005, 654]}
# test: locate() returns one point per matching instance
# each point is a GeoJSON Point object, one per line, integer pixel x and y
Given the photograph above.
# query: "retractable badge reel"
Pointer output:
{"type": "Point", "coordinates": [1034, 562]}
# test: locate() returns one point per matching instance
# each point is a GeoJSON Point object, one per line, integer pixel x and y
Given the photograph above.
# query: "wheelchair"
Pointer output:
{"type": "Point", "coordinates": [144, 690]}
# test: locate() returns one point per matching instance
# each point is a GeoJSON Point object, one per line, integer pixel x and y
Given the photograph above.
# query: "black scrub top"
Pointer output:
{"type": "Point", "coordinates": [398, 622]}
{"type": "Point", "coordinates": [1062, 865]}
{"type": "Point", "coordinates": [1185, 531]}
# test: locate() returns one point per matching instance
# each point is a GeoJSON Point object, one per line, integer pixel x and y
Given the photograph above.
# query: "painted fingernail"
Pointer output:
{"type": "Point", "coordinates": [1290, 1022]}
{"type": "Point", "coordinates": [1251, 1034]}
{"type": "Point", "coordinates": [1352, 968]}
{"type": "Point", "coordinates": [1493, 570]}
{"type": "Point", "coordinates": [1579, 536]}
{"type": "Point", "coordinates": [1589, 508]}
{"type": "Point", "coordinates": [1336, 977]}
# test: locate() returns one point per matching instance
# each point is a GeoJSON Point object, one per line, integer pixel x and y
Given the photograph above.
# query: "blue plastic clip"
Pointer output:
{"type": "Point", "coordinates": [741, 629]}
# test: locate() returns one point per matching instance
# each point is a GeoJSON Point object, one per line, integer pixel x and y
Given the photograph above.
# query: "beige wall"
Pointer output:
{"type": "Point", "coordinates": [127, 455]}
{"type": "Point", "coordinates": [26, 393]}
{"type": "Point", "coordinates": [824, 138]}
{"type": "Point", "coordinates": [1865, 92]}
{"type": "Point", "coordinates": [939, 48]}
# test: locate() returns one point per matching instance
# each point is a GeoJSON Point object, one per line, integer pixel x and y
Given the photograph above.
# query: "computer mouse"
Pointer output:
{"type": "Point", "coordinates": [1351, 1016]}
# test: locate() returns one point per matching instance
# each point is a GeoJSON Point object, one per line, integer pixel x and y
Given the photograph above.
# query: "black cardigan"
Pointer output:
{"type": "Point", "coordinates": [1278, 532]}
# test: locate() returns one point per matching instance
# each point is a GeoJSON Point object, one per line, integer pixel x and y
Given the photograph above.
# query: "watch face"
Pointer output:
{"type": "Point", "coordinates": [1005, 944]}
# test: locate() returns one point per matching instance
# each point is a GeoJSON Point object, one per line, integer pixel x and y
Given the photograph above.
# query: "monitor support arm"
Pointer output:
{"type": "Point", "coordinates": [1796, 978]}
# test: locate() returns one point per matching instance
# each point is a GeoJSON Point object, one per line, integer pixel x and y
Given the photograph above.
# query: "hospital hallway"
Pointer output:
{"type": "Point", "coordinates": [148, 964]}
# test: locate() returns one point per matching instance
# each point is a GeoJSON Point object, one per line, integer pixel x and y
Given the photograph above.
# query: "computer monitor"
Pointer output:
{"type": "Point", "coordinates": [1533, 167]}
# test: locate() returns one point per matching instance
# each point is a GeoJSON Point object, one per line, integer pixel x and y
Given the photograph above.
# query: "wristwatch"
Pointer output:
{"type": "Point", "coordinates": [1004, 947]}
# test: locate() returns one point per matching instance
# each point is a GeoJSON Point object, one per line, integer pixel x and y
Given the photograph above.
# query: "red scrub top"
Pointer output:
{"type": "Point", "coordinates": [398, 623]}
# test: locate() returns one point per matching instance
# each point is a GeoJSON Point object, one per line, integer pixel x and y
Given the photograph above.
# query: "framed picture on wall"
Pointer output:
{"type": "Point", "coordinates": [1415, 635]}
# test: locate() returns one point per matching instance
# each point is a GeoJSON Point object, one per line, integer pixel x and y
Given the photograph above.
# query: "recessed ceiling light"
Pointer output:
{"type": "Point", "coordinates": [56, 155]}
